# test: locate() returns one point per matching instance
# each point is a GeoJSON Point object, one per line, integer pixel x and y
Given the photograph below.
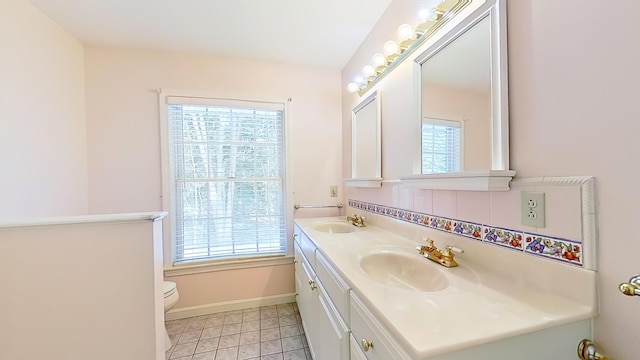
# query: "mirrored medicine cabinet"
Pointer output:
{"type": "Point", "coordinates": [463, 107]}
{"type": "Point", "coordinates": [366, 145]}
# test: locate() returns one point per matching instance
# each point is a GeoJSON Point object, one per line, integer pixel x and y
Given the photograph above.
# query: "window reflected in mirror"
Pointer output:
{"type": "Point", "coordinates": [442, 145]}
{"type": "Point", "coordinates": [456, 85]}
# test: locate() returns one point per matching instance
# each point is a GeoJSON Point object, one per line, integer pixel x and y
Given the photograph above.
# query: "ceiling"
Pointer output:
{"type": "Point", "coordinates": [318, 33]}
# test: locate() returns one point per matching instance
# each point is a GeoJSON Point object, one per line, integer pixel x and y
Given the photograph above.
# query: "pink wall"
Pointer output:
{"type": "Point", "coordinates": [123, 120]}
{"type": "Point", "coordinates": [573, 111]}
{"type": "Point", "coordinates": [222, 286]}
{"type": "Point", "coordinates": [124, 142]}
{"type": "Point", "coordinates": [42, 127]}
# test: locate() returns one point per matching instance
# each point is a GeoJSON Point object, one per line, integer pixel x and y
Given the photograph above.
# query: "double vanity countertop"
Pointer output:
{"type": "Point", "coordinates": [493, 294]}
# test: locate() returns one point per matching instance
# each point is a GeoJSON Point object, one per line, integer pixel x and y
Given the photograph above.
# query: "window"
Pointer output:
{"type": "Point", "coordinates": [227, 178]}
{"type": "Point", "coordinates": [441, 145]}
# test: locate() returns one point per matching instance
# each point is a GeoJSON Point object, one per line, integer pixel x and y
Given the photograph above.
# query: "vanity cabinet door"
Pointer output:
{"type": "Point", "coordinates": [333, 334]}
{"type": "Point", "coordinates": [307, 299]}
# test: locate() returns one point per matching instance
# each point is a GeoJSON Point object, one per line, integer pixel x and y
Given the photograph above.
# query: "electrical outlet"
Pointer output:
{"type": "Point", "coordinates": [333, 190]}
{"type": "Point", "coordinates": [532, 208]}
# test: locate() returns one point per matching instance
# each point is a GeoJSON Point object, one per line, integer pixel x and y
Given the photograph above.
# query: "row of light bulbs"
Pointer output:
{"type": "Point", "coordinates": [391, 50]}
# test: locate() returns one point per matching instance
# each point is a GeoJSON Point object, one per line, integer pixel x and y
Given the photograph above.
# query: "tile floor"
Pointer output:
{"type": "Point", "coordinates": [265, 333]}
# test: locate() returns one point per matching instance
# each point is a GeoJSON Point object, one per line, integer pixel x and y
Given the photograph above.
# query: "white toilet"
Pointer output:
{"type": "Point", "coordinates": [171, 297]}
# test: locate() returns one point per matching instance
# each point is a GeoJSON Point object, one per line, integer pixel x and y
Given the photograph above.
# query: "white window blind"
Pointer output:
{"type": "Point", "coordinates": [441, 145]}
{"type": "Point", "coordinates": [227, 164]}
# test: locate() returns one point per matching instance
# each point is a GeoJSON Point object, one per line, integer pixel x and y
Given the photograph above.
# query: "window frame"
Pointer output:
{"type": "Point", "coordinates": [169, 194]}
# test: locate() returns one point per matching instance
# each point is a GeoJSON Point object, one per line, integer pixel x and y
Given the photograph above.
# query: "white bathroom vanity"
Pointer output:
{"type": "Point", "coordinates": [365, 293]}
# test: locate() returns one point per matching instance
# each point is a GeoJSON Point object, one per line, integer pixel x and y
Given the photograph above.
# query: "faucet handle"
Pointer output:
{"type": "Point", "coordinates": [429, 242]}
{"type": "Point", "coordinates": [448, 256]}
{"type": "Point", "coordinates": [454, 249]}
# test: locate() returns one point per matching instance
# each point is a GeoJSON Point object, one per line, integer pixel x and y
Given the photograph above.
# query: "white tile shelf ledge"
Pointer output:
{"type": "Point", "coordinates": [481, 180]}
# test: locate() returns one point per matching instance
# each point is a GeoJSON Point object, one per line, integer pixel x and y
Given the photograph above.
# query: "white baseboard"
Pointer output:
{"type": "Point", "coordinates": [191, 311]}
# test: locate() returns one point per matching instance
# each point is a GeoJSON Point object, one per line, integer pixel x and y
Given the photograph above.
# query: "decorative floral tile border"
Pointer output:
{"type": "Point", "coordinates": [564, 250]}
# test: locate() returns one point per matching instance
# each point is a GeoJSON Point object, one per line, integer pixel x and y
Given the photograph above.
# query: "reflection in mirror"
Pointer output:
{"type": "Point", "coordinates": [442, 145]}
{"type": "Point", "coordinates": [463, 105]}
{"type": "Point", "coordinates": [366, 164]}
{"type": "Point", "coordinates": [456, 90]}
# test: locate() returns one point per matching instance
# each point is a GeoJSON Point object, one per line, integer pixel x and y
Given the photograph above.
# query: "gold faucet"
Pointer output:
{"type": "Point", "coordinates": [444, 258]}
{"type": "Point", "coordinates": [356, 220]}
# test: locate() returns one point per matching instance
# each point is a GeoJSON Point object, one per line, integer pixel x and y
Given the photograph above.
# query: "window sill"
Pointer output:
{"type": "Point", "coordinates": [213, 266]}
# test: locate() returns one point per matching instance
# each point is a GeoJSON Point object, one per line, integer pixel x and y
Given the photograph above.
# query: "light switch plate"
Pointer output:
{"type": "Point", "coordinates": [532, 208]}
{"type": "Point", "coordinates": [333, 190]}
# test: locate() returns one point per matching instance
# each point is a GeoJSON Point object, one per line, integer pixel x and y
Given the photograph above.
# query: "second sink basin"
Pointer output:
{"type": "Point", "coordinates": [406, 271]}
{"type": "Point", "coordinates": [335, 227]}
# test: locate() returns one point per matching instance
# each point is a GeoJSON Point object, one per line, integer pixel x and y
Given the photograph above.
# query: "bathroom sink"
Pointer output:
{"type": "Point", "coordinates": [403, 270]}
{"type": "Point", "coordinates": [335, 227]}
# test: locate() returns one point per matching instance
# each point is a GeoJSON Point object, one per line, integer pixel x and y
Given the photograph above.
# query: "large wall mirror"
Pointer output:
{"type": "Point", "coordinates": [462, 102]}
{"type": "Point", "coordinates": [366, 151]}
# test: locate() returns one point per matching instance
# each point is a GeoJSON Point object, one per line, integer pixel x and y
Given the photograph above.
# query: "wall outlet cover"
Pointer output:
{"type": "Point", "coordinates": [532, 208]}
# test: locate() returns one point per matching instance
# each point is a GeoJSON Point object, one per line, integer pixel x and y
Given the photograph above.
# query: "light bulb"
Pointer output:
{"type": "Point", "coordinates": [405, 32]}
{"type": "Point", "coordinates": [378, 60]}
{"type": "Point", "coordinates": [368, 71]}
{"type": "Point", "coordinates": [423, 14]}
{"type": "Point", "coordinates": [352, 87]}
{"type": "Point", "coordinates": [435, 14]}
{"type": "Point", "coordinates": [359, 81]}
{"type": "Point", "coordinates": [391, 48]}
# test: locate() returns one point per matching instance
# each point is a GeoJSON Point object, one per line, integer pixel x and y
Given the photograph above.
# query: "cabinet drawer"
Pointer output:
{"type": "Point", "coordinates": [297, 254]}
{"type": "Point", "coordinates": [308, 249]}
{"type": "Point", "coordinates": [335, 287]}
{"type": "Point", "coordinates": [365, 327]}
{"type": "Point", "coordinates": [296, 233]}
{"type": "Point", "coordinates": [355, 350]}
{"type": "Point", "coordinates": [302, 265]}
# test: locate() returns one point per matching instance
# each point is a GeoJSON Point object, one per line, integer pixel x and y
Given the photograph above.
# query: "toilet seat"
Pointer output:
{"type": "Point", "coordinates": [169, 288]}
{"type": "Point", "coordinates": [171, 297]}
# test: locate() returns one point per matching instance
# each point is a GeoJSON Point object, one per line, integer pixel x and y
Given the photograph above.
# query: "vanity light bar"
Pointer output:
{"type": "Point", "coordinates": [409, 38]}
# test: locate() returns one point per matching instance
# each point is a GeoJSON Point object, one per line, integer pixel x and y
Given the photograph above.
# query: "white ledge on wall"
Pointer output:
{"type": "Point", "coordinates": [363, 183]}
{"type": "Point", "coordinates": [482, 180]}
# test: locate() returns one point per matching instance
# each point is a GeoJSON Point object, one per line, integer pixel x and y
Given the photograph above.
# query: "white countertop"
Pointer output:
{"type": "Point", "coordinates": [494, 294]}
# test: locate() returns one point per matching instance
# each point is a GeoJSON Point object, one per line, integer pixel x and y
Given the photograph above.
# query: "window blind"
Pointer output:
{"type": "Point", "coordinates": [441, 146]}
{"type": "Point", "coordinates": [227, 163]}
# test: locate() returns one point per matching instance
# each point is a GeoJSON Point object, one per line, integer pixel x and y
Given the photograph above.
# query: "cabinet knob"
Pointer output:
{"type": "Point", "coordinates": [313, 284]}
{"type": "Point", "coordinates": [366, 344]}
